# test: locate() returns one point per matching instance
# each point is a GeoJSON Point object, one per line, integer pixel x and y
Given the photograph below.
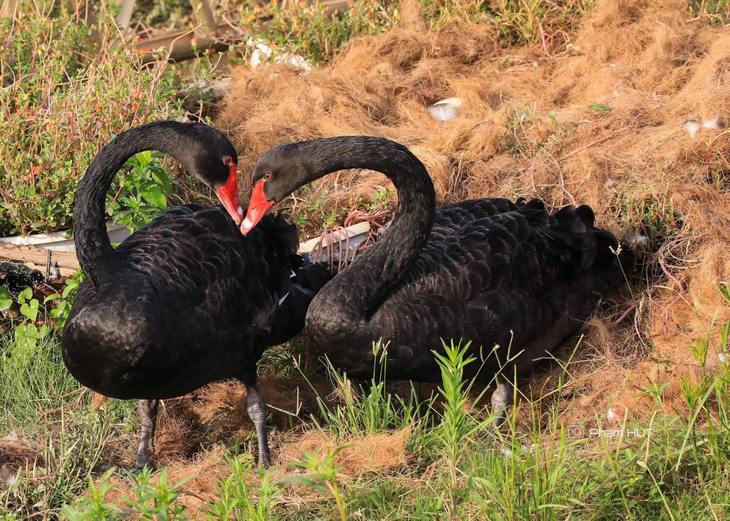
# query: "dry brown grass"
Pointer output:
{"type": "Point", "coordinates": [526, 129]}
{"type": "Point", "coordinates": [193, 436]}
{"type": "Point", "coordinates": [18, 453]}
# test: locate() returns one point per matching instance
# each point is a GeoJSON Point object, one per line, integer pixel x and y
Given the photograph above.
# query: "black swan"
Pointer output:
{"type": "Point", "coordinates": [489, 271]}
{"type": "Point", "coordinates": [188, 299]}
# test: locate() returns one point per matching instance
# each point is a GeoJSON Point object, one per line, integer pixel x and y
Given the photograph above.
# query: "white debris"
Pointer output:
{"type": "Point", "coordinates": [216, 88]}
{"type": "Point", "coordinates": [722, 357]}
{"type": "Point", "coordinates": [7, 476]}
{"type": "Point", "coordinates": [637, 240]}
{"type": "Point", "coordinates": [263, 52]}
{"type": "Point", "coordinates": [611, 415]}
{"type": "Point", "coordinates": [506, 452]}
{"type": "Point", "coordinates": [714, 124]}
{"type": "Point", "coordinates": [446, 109]}
{"type": "Point", "coordinates": [530, 449]}
{"type": "Point", "coordinates": [692, 126]}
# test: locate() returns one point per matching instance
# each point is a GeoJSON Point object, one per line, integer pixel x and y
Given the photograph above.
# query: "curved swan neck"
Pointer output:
{"type": "Point", "coordinates": [93, 247]}
{"type": "Point", "coordinates": [367, 282]}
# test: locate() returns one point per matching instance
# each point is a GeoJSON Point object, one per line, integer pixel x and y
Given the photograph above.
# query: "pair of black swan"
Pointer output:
{"type": "Point", "coordinates": [489, 271]}
{"type": "Point", "coordinates": [188, 299]}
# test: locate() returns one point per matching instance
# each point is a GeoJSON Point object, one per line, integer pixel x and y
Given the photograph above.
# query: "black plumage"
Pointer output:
{"type": "Point", "coordinates": [489, 271]}
{"type": "Point", "coordinates": [186, 300]}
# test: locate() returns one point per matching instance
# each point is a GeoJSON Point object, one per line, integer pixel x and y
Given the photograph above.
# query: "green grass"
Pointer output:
{"type": "Point", "coordinates": [672, 466]}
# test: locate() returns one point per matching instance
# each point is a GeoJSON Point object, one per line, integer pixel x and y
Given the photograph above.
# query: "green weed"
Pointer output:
{"type": "Point", "coordinates": [240, 497]}
{"type": "Point", "coordinates": [322, 475]}
{"type": "Point", "coordinates": [141, 193]}
{"type": "Point", "coordinates": [370, 408]}
{"type": "Point", "coordinates": [671, 466]}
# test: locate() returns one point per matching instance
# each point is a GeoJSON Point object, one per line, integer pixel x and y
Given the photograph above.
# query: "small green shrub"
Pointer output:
{"type": "Point", "coordinates": [140, 194]}
{"type": "Point", "coordinates": [62, 100]}
{"type": "Point", "coordinates": [322, 475]}
{"type": "Point", "coordinates": [153, 500]}
{"type": "Point", "coordinates": [710, 11]}
{"type": "Point", "coordinates": [64, 300]}
{"type": "Point", "coordinates": [530, 21]}
{"type": "Point", "coordinates": [241, 497]}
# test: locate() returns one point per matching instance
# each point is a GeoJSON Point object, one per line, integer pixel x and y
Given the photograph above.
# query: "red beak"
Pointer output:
{"type": "Point", "coordinates": [257, 208]}
{"type": "Point", "coordinates": [228, 194]}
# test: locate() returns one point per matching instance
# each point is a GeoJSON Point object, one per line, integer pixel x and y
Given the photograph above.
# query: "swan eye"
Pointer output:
{"type": "Point", "coordinates": [267, 176]}
{"type": "Point", "coordinates": [227, 160]}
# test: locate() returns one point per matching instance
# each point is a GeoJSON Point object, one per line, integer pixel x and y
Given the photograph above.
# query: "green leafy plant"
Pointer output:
{"type": "Point", "coordinates": [155, 500]}
{"type": "Point", "coordinates": [141, 193]}
{"type": "Point", "coordinates": [240, 498]}
{"type": "Point", "coordinates": [28, 333]}
{"type": "Point", "coordinates": [322, 475]}
{"type": "Point", "coordinates": [457, 425]}
{"type": "Point", "coordinates": [64, 301]}
{"type": "Point", "coordinates": [5, 300]}
{"type": "Point", "coordinates": [28, 305]}
{"type": "Point", "coordinates": [93, 507]}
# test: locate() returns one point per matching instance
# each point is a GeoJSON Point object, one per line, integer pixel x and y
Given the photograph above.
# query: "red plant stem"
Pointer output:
{"type": "Point", "coordinates": [626, 314]}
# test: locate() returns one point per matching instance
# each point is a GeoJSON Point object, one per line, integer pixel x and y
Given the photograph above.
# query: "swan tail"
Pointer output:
{"type": "Point", "coordinates": [572, 235]}
{"type": "Point", "coordinates": [607, 263]}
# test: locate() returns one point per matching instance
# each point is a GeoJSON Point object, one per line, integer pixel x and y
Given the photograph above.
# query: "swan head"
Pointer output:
{"type": "Point", "coordinates": [211, 157]}
{"type": "Point", "coordinates": [278, 173]}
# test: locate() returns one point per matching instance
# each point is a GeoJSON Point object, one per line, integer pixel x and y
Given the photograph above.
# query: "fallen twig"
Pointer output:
{"type": "Point", "coordinates": [676, 299]}
{"type": "Point", "coordinates": [75, 404]}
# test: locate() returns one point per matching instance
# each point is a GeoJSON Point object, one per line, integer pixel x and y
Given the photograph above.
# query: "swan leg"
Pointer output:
{"type": "Point", "coordinates": [146, 450]}
{"type": "Point", "coordinates": [256, 407]}
{"type": "Point", "coordinates": [501, 399]}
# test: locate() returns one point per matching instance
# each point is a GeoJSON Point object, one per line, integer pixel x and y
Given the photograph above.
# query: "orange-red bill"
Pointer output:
{"type": "Point", "coordinates": [257, 208]}
{"type": "Point", "coordinates": [228, 194]}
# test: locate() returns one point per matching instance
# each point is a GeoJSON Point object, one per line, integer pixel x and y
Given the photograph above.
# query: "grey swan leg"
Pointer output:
{"type": "Point", "coordinates": [501, 400]}
{"type": "Point", "coordinates": [256, 407]}
{"type": "Point", "coordinates": [146, 450]}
